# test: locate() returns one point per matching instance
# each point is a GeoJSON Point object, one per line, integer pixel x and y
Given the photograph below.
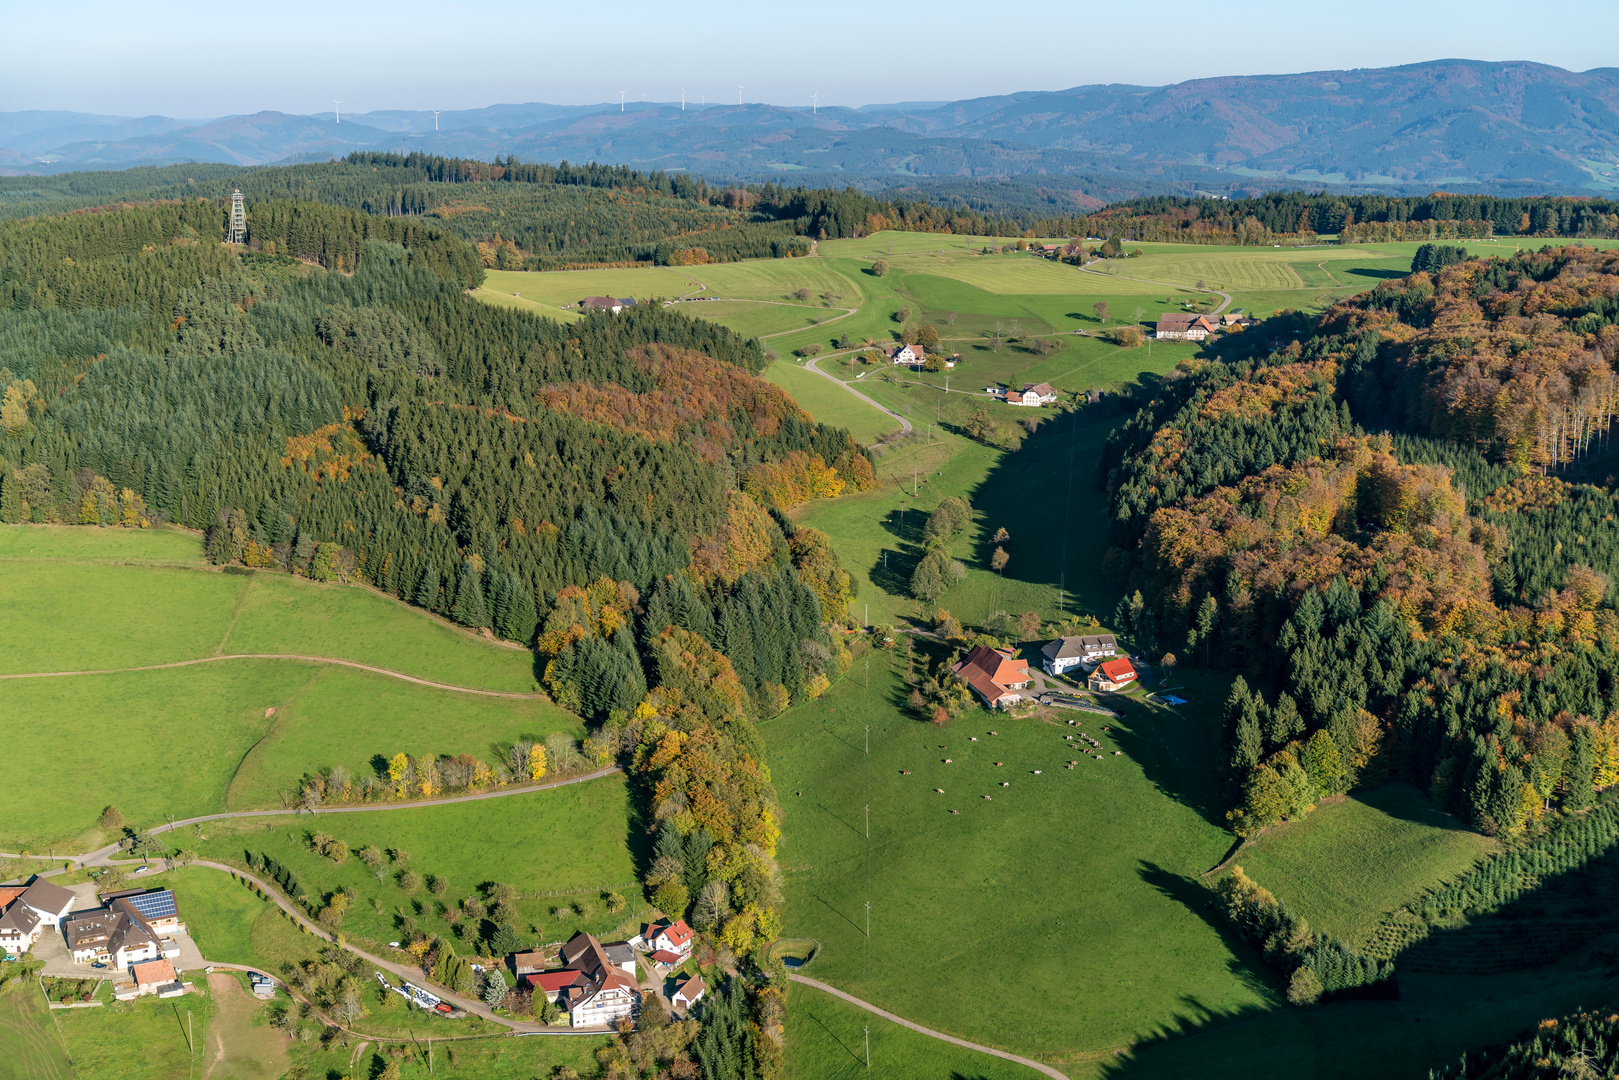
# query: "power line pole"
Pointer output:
{"type": "Point", "coordinates": [868, 1046]}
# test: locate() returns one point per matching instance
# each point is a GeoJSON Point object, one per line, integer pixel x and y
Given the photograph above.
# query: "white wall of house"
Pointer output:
{"type": "Point", "coordinates": [607, 1007]}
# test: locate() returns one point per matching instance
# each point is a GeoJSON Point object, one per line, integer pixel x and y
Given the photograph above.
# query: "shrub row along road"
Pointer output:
{"type": "Point", "coordinates": [281, 656]}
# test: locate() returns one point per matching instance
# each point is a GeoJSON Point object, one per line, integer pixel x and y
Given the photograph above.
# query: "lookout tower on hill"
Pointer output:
{"type": "Point", "coordinates": [237, 232]}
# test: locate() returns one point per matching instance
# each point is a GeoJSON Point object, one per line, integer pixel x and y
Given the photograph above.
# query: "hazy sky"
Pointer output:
{"type": "Point", "coordinates": [184, 58]}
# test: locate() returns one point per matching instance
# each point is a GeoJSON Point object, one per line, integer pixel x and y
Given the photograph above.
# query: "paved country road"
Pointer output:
{"type": "Point", "coordinates": [904, 424]}
{"type": "Point", "coordinates": [900, 1020]}
{"type": "Point", "coordinates": [280, 656]}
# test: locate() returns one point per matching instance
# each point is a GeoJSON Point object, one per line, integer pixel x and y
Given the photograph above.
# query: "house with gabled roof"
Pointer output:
{"type": "Point", "coordinates": [908, 354]}
{"type": "Point", "coordinates": [117, 935]}
{"type": "Point", "coordinates": [1184, 326]}
{"type": "Point", "coordinates": [29, 910]}
{"type": "Point", "coordinates": [671, 937]}
{"type": "Point", "coordinates": [688, 993]}
{"type": "Point", "coordinates": [1032, 394]}
{"type": "Point", "coordinates": [1113, 675]}
{"type": "Point", "coordinates": [1081, 651]}
{"type": "Point", "coordinates": [593, 989]}
{"type": "Point", "coordinates": [996, 675]}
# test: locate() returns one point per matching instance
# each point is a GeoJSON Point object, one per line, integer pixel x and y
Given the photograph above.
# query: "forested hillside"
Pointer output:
{"type": "Point", "coordinates": [1429, 606]}
{"type": "Point", "coordinates": [1299, 215]}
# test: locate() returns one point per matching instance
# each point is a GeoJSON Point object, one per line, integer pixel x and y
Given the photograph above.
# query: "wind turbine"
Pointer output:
{"type": "Point", "coordinates": [816, 98]}
{"type": "Point", "coordinates": [621, 101]}
{"type": "Point", "coordinates": [739, 89]}
{"type": "Point", "coordinates": [337, 110]}
{"type": "Point", "coordinates": [682, 99]}
{"type": "Point", "coordinates": [435, 118]}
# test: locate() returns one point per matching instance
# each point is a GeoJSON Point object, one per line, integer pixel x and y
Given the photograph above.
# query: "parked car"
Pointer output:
{"type": "Point", "coordinates": [142, 869]}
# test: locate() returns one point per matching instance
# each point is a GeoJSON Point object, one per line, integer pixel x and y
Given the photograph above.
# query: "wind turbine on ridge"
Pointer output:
{"type": "Point", "coordinates": [435, 113]}
{"type": "Point", "coordinates": [682, 99]}
{"type": "Point", "coordinates": [337, 107]}
{"type": "Point", "coordinates": [621, 101]}
{"type": "Point", "coordinates": [816, 98]}
{"type": "Point", "coordinates": [739, 89]}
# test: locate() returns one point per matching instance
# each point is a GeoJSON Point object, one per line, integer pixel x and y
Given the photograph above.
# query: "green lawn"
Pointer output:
{"type": "Point", "coordinates": [103, 739]}
{"type": "Point", "coordinates": [345, 717]}
{"type": "Point", "coordinates": [826, 1040]}
{"type": "Point", "coordinates": [282, 614]}
{"type": "Point", "coordinates": [76, 614]}
{"type": "Point", "coordinates": [1081, 883]}
{"type": "Point", "coordinates": [221, 914]}
{"type": "Point", "coordinates": [555, 847]}
{"type": "Point", "coordinates": [30, 1048]}
{"type": "Point", "coordinates": [142, 1039]}
{"type": "Point", "coordinates": [480, 1059]}
{"type": "Point", "coordinates": [117, 545]}
{"type": "Point", "coordinates": [1347, 864]}
{"type": "Point", "coordinates": [829, 404]}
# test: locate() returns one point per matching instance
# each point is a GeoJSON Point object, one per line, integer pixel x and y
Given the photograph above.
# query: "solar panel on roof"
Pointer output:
{"type": "Point", "coordinates": [154, 905]}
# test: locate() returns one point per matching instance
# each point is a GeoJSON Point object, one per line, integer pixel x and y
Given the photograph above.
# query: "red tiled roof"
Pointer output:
{"type": "Point", "coordinates": [154, 971]}
{"type": "Point", "coordinates": [1117, 671]}
{"type": "Point", "coordinates": [664, 956]}
{"type": "Point", "coordinates": [691, 989]}
{"type": "Point", "coordinates": [552, 981]}
{"type": "Point", "coordinates": [999, 666]}
{"type": "Point", "coordinates": [678, 932]}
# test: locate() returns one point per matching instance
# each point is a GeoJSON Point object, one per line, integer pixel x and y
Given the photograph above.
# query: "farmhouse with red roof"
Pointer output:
{"type": "Point", "coordinates": [1113, 675]}
{"type": "Point", "coordinates": [996, 675]}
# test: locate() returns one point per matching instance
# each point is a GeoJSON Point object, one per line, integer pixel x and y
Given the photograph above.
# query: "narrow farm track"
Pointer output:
{"type": "Point", "coordinates": [282, 656]}
{"type": "Point", "coordinates": [904, 424]}
{"type": "Point", "coordinates": [900, 1020]}
{"type": "Point", "coordinates": [103, 856]}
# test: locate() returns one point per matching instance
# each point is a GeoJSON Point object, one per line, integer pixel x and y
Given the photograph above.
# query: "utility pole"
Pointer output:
{"type": "Point", "coordinates": [868, 1046]}
{"type": "Point", "coordinates": [189, 1044]}
{"type": "Point", "coordinates": [868, 920]}
{"type": "Point", "coordinates": [868, 623]}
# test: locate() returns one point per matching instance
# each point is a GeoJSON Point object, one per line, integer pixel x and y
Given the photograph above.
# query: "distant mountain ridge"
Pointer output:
{"type": "Point", "coordinates": [1443, 123]}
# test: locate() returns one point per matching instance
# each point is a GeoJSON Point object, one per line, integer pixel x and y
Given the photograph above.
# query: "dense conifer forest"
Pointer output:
{"type": "Point", "coordinates": [1435, 604]}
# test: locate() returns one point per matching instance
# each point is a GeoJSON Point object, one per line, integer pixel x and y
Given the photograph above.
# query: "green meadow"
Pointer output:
{"type": "Point", "coordinates": [559, 847]}
{"type": "Point", "coordinates": [30, 1047]}
{"type": "Point", "coordinates": [79, 612]}
{"type": "Point", "coordinates": [828, 1040]}
{"type": "Point", "coordinates": [206, 731]}
{"type": "Point", "coordinates": [1080, 882]}
{"type": "Point", "coordinates": [829, 403]}
{"type": "Point", "coordinates": [231, 733]}
{"type": "Point", "coordinates": [1350, 862]}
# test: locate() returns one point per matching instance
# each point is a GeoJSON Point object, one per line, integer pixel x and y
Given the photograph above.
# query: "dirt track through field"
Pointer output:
{"type": "Point", "coordinates": [283, 656]}
{"type": "Point", "coordinates": [902, 1022]}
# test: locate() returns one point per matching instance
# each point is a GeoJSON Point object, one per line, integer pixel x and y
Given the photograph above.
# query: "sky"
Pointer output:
{"type": "Point", "coordinates": [185, 58]}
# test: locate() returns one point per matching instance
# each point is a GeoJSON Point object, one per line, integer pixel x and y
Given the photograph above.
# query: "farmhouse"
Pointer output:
{"type": "Point", "coordinates": [1184, 326]}
{"type": "Point", "coordinates": [1070, 652]}
{"type": "Point", "coordinates": [908, 354]}
{"type": "Point", "coordinates": [153, 977]}
{"type": "Point", "coordinates": [120, 935]}
{"type": "Point", "coordinates": [1113, 675]}
{"type": "Point", "coordinates": [689, 992]}
{"type": "Point", "coordinates": [605, 303]}
{"type": "Point", "coordinates": [669, 937]}
{"type": "Point", "coordinates": [30, 910]}
{"type": "Point", "coordinates": [593, 989]}
{"type": "Point", "coordinates": [996, 675]}
{"type": "Point", "coordinates": [1032, 394]}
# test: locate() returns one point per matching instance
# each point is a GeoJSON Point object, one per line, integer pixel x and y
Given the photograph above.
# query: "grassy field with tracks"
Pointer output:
{"type": "Point", "coordinates": [30, 1048]}
{"type": "Point", "coordinates": [557, 848]}
{"type": "Point", "coordinates": [226, 734]}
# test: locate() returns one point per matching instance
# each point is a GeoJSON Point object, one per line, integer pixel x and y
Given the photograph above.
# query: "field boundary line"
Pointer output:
{"type": "Point", "coordinates": [283, 656]}
{"type": "Point", "coordinates": [901, 1021]}
{"type": "Point", "coordinates": [236, 614]}
{"type": "Point", "coordinates": [1167, 285]}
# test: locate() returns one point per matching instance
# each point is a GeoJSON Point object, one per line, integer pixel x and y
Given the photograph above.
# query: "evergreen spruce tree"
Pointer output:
{"type": "Point", "coordinates": [426, 594]}
{"type": "Point", "coordinates": [469, 607]}
{"type": "Point", "coordinates": [10, 495]}
{"type": "Point", "coordinates": [520, 617]}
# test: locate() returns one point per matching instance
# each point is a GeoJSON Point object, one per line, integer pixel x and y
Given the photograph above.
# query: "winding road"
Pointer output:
{"type": "Point", "coordinates": [281, 656]}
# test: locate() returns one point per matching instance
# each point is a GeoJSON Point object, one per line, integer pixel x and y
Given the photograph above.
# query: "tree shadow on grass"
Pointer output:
{"type": "Point", "coordinates": [1245, 964]}
{"type": "Point", "coordinates": [1141, 734]}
